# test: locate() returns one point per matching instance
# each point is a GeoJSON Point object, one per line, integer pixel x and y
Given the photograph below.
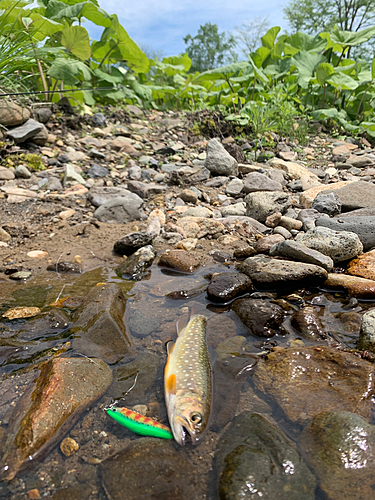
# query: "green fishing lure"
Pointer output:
{"type": "Point", "coordinates": [139, 424]}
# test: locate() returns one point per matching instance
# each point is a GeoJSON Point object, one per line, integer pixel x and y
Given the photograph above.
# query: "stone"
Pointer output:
{"type": "Point", "coordinates": [307, 322]}
{"type": "Point", "coordinates": [308, 216]}
{"type": "Point", "coordinates": [339, 245]}
{"type": "Point", "coordinates": [63, 390]}
{"type": "Point", "coordinates": [307, 197]}
{"type": "Point", "coordinates": [17, 195]}
{"type": "Point", "coordinates": [100, 195]}
{"type": "Point", "coordinates": [327, 203]}
{"type": "Point", "coordinates": [338, 446]}
{"type": "Point", "coordinates": [26, 131]}
{"type": "Point", "coordinates": [356, 195]}
{"type": "Point", "coordinates": [11, 114]}
{"type": "Point", "coordinates": [366, 340]}
{"type": "Point", "coordinates": [360, 161]}
{"type": "Point", "coordinates": [142, 324]}
{"type": "Point", "coordinates": [201, 212]}
{"type": "Point", "coordinates": [189, 196]}
{"type": "Point", "coordinates": [6, 174]}
{"type": "Point", "coordinates": [255, 182]}
{"type": "Point", "coordinates": [21, 172]}
{"type": "Point", "coordinates": [68, 446]}
{"type": "Point", "coordinates": [41, 138]}
{"type": "Point", "coordinates": [120, 209]}
{"type": "Point", "coordinates": [98, 325]}
{"type": "Point", "coordinates": [166, 473]}
{"type": "Point", "coordinates": [305, 381]}
{"type": "Point", "coordinates": [42, 114]}
{"type": "Point", "coordinates": [54, 184]}
{"type": "Point", "coordinates": [239, 221]}
{"type": "Point", "coordinates": [295, 171]}
{"type": "Point", "coordinates": [65, 267]}
{"type": "Point", "coordinates": [360, 288]}
{"type": "Point", "coordinates": [135, 267]}
{"type": "Point", "coordinates": [255, 459]}
{"type": "Point", "coordinates": [187, 244]}
{"type": "Point", "coordinates": [363, 266]}
{"type": "Point", "coordinates": [131, 242]}
{"type": "Point", "coordinates": [179, 260]}
{"type": "Point", "coordinates": [134, 172]}
{"type": "Point", "coordinates": [235, 209]}
{"type": "Point", "coordinates": [261, 317]}
{"type": "Point", "coordinates": [21, 312]}
{"type": "Point", "coordinates": [145, 190]}
{"type": "Point", "coordinates": [97, 171]}
{"type": "Point", "coordinates": [66, 214]}
{"type": "Point", "coordinates": [198, 227]}
{"type": "Point", "coordinates": [273, 219]}
{"type": "Point", "coordinates": [297, 251]}
{"type": "Point", "coordinates": [219, 161]}
{"type": "Point", "coordinates": [72, 177]}
{"type": "Point", "coordinates": [217, 181]}
{"type": "Point", "coordinates": [272, 274]}
{"type": "Point", "coordinates": [263, 245]}
{"type": "Point", "coordinates": [225, 287]}
{"type": "Point", "coordinates": [4, 236]}
{"type": "Point", "coordinates": [234, 187]}
{"type": "Point", "coordinates": [260, 205]}
{"type": "Point", "coordinates": [99, 120]}
{"type": "Point", "coordinates": [287, 235]}
{"type": "Point", "coordinates": [289, 223]}
{"type": "Point", "coordinates": [363, 226]}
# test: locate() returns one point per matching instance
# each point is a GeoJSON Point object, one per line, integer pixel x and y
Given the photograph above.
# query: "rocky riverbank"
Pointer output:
{"type": "Point", "coordinates": [112, 227]}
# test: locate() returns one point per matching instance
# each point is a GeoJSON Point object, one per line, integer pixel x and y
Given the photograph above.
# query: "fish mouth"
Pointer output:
{"type": "Point", "coordinates": [182, 432]}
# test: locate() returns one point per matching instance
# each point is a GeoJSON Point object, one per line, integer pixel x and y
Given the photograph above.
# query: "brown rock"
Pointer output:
{"type": "Point", "coordinates": [363, 266]}
{"type": "Point", "coordinates": [179, 260]}
{"type": "Point", "coordinates": [199, 227]}
{"type": "Point", "coordinates": [305, 381]}
{"type": "Point", "coordinates": [355, 286]}
{"type": "Point", "coordinates": [68, 446]}
{"type": "Point", "coordinates": [11, 114]}
{"type": "Point", "coordinates": [307, 197]}
{"type": "Point", "coordinates": [263, 245]}
{"type": "Point", "coordinates": [64, 388]}
{"type": "Point", "coordinates": [189, 196]}
{"type": "Point", "coordinates": [41, 138]}
{"type": "Point", "coordinates": [6, 174]}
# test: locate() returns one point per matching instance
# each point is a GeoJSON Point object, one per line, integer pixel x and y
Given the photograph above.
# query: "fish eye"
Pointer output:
{"type": "Point", "coordinates": [196, 417]}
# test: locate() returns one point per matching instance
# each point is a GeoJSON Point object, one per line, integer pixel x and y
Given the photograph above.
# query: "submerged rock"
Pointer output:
{"type": "Point", "coordinates": [262, 318]}
{"type": "Point", "coordinates": [135, 267]}
{"type": "Point", "coordinates": [307, 322]}
{"type": "Point", "coordinates": [225, 287]}
{"type": "Point", "coordinates": [64, 388]}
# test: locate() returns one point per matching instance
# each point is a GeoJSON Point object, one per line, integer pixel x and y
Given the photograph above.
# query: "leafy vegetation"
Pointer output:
{"type": "Point", "coordinates": [284, 83]}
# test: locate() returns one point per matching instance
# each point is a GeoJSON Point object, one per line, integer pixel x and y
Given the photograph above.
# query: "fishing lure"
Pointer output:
{"type": "Point", "coordinates": [139, 424]}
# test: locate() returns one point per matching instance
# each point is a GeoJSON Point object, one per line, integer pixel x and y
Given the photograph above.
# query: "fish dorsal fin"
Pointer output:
{"type": "Point", "coordinates": [170, 347]}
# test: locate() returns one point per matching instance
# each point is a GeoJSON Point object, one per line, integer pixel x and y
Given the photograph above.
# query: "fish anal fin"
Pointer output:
{"type": "Point", "coordinates": [171, 384]}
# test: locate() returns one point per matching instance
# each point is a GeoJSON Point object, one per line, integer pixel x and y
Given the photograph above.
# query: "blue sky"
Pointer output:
{"type": "Point", "coordinates": [162, 24]}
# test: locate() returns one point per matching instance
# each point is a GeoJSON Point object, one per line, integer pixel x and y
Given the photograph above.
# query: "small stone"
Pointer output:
{"type": "Point", "coordinates": [188, 196]}
{"type": "Point", "coordinates": [21, 275]}
{"type": "Point", "coordinates": [367, 334]}
{"type": "Point", "coordinates": [6, 174]}
{"type": "Point", "coordinates": [21, 312]}
{"type": "Point", "coordinates": [22, 172]}
{"type": "Point", "coordinates": [260, 205]}
{"type": "Point", "coordinates": [97, 171]}
{"type": "Point", "coordinates": [290, 223]}
{"type": "Point", "coordinates": [33, 494]}
{"type": "Point", "coordinates": [273, 219]}
{"type": "Point", "coordinates": [11, 114]}
{"type": "Point", "coordinates": [179, 260]}
{"type": "Point", "coordinates": [197, 212]}
{"type": "Point", "coordinates": [68, 446]}
{"type": "Point", "coordinates": [256, 182]}
{"type": "Point", "coordinates": [65, 214]}
{"type": "Point", "coordinates": [132, 242]}
{"type": "Point", "coordinates": [72, 177]}
{"type": "Point", "coordinates": [136, 265]}
{"type": "Point", "coordinates": [219, 161]}
{"type": "Point", "coordinates": [235, 209]}
{"type": "Point", "coordinates": [262, 318]}
{"type": "Point", "coordinates": [264, 244]}
{"type": "Point", "coordinates": [225, 287]}
{"type": "Point", "coordinates": [234, 188]}
{"type": "Point", "coordinates": [187, 244]}
{"type": "Point", "coordinates": [327, 203]}
{"type": "Point", "coordinates": [65, 267]}
{"type": "Point", "coordinates": [4, 236]}
{"type": "Point", "coordinates": [282, 231]}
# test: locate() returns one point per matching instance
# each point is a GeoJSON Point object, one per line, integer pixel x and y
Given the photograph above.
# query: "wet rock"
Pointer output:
{"type": "Point", "coordinates": [220, 255]}
{"type": "Point", "coordinates": [219, 161]}
{"type": "Point", "coordinates": [367, 334]}
{"type": "Point", "coordinates": [68, 446]}
{"type": "Point", "coordinates": [357, 287]}
{"type": "Point", "coordinates": [268, 273]}
{"type": "Point", "coordinates": [98, 324]}
{"type": "Point", "coordinates": [255, 182]}
{"type": "Point", "coordinates": [339, 447]}
{"type": "Point", "coordinates": [339, 245]}
{"type": "Point", "coordinates": [225, 287]}
{"type": "Point", "coordinates": [11, 114]}
{"type": "Point", "coordinates": [65, 267]}
{"type": "Point", "coordinates": [265, 244]}
{"type": "Point", "coordinates": [306, 198]}
{"type": "Point", "coordinates": [21, 312]}
{"type": "Point", "coordinates": [255, 459]}
{"type": "Point", "coordinates": [132, 242]}
{"type": "Point", "coordinates": [260, 205]}
{"type": "Point", "coordinates": [166, 473]}
{"type": "Point", "coordinates": [179, 260]}
{"type": "Point", "coordinates": [25, 131]}
{"type": "Point", "coordinates": [305, 381]}
{"type": "Point", "coordinates": [142, 324]}
{"type": "Point", "coordinates": [234, 346]}
{"type": "Point", "coordinates": [302, 253]}
{"type": "Point", "coordinates": [363, 266]}
{"type": "Point", "coordinates": [144, 190]}
{"type": "Point", "coordinates": [187, 294]}
{"type": "Point", "coordinates": [135, 267]}
{"type": "Point", "coordinates": [327, 203]}
{"type": "Point", "coordinates": [219, 328]}
{"type": "Point", "coordinates": [363, 226]}
{"type": "Point", "coordinates": [76, 492]}
{"type": "Point", "coordinates": [120, 210]}
{"type": "Point", "coordinates": [307, 322]}
{"type": "Point", "coordinates": [262, 318]}
{"type": "Point", "coordinates": [96, 171]}
{"type": "Point", "coordinates": [100, 195]}
{"type": "Point", "coordinates": [64, 388]}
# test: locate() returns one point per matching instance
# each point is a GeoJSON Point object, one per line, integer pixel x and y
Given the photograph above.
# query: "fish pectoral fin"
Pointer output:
{"type": "Point", "coordinates": [179, 328]}
{"type": "Point", "coordinates": [170, 347]}
{"type": "Point", "coordinates": [170, 385]}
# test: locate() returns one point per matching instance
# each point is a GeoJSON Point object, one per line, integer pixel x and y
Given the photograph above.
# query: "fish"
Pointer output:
{"type": "Point", "coordinates": [188, 382]}
{"type": "Point", "coordinates": [139, 424]}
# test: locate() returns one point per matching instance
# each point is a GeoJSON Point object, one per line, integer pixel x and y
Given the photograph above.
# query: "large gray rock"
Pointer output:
{"type": "Point", "coordinates": [11, 114]}
{"type": "Point", "coordinates": [327, 203]}
{"type": "Point", "coordinates": [367, 334]}
{"type": "Point", "coordinates": [219, 161]}
{"type": "Point", "coordinates": [363, 226]}
{"type": "Point", "coordinates": [25, 131]}
{"type": "Point", "coordinates": [255, 182]}
{"type": "Point", "coordinates": [355, 195]}
{"type": "Point", "coordinates": [260, 205]}
{"type": "Point", "coordinates": [100, 195]}
{"type": "Point", "coordinates": [339, 245]}
{"type": "Point", "coordinates": [297, 251]}
{"type": "Point", "coordinates": [119, 210]}
{"type": "Point", "coordinates": [272, 274]}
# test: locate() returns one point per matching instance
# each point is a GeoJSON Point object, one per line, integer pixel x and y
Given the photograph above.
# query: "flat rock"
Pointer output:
{"type": "Point", "coordinates": [362, 225]}
{"type": "Point", "coordinates": [235, 209]}
{"type": "Point", "coordinates": [11, 114]}
{"type": "Point", "coordinates": [305, 381]}
{"type": "Point", "coordinates": [255, 182]}
{"type": "Point", "coordinates": [145, 190]}
{"type": "Point", "coordinates": [120, 209]}
{"type": "Point", "coordinates": [368, 211]}
{"type": "Point", "coordinates": [262, 318]}
{"type": "Point", "coordinates": [295, 171]}
{"type": "Point", "coordinates": [262, 204]}
{"type": "Point", "coordinates": [56, 399]}
{"type": "Point", "coordinates": [197, 212]}
{"type": "Point", "coordinates": [26, 131]}
{"type": "Point", "coordinates": [361, 288]}
{"type": "Point", "coordinates": [234, 187]}
{"type": "Point", "coordinates": [199, 227]}
{"type": "Point", "coordinates": [99, 327]}
{"type": "Point", "coordinates": [219, 161]}
{"type": "Point", "coordinates": [269, 273]}
{"type": "Point", "coordinates": [302, 253]}
{"type": "Point", "coordinates": [359, 194]}
{"type": "Point", "coordinates": [339, 245]}
{"type": "Point", "coordinates": [179, 260]}
{"type": "Point", "coordinates": [225, 287]}
{"type": "Point", "coordinates": [135, 267]}
{"type": "Point", "coordinates": [307, 197]}
{"type": "Point", "coordinates": [100, 195]}
{"type": "Point", "coordinates": [339, 447]}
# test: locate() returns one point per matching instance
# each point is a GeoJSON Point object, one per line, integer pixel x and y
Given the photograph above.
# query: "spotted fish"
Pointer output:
{"type": "Point", "coordinates": [188, 382]}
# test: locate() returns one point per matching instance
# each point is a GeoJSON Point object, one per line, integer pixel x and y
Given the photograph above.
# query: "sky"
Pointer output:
{"type": "Point", "coordinates": [162, 24]}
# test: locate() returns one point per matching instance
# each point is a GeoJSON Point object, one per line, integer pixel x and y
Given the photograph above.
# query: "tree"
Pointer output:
{"type": "Point", "coordinates": [248, 34]}
{"type": "Point", "coordinates": [209, 48]}
{"type": "Point", "coordinates": [313, 16]}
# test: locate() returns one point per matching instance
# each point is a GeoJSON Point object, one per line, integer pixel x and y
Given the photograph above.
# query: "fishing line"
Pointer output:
{"type": "Point", "coordinates": [38, 92]}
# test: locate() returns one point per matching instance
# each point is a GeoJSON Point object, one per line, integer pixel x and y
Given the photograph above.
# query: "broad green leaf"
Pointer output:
{"type": "Point", "coordinates": [373, 69]}
{"type": "Point", "coordinates": [102, 75]}
{"type": "Point", "coordinates": [43, 27]}
{"type": "Point", "coordinates": [302, 41]}
{"type": "Point", "coordinates": [318, 114]}
{"type": "Point", "coordinates": [343, 81]}
{"type": "Point", "coordinates": [69, 71]}
{"type": "Point", "coordinates": [306, 64]}
{"type": "Point", "coordinates": [184, 60]}
{"type": "Point", "coordinates": [268, 40]}
{"type": "Point", "coordinates": [76, 41]}
{"type": "Point", "coordinates": [351, 38]}
{"type": "Point", "coordinates": [323, 72]}
{"type": "Point", "coordinates": [263, 52]}
{"type": "Point", "coordinates": [88, 10]}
